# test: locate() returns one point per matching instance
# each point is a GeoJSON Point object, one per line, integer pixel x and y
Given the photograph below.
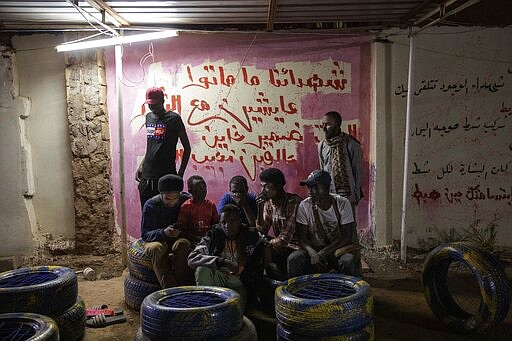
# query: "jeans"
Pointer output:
{"type": "Point", "coordinates": [299, 263]}
{"type": "Point", "coordinates": [175, 272]}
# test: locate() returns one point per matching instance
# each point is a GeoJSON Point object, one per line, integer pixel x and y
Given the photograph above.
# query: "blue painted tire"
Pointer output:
{"type": "Point", "coordinates": [495, 289]}
{"type": "Point", "coordinates": [72, 322]}
{"type": "Point", "coordinates": [247, 333]}
{"type": "Point", "coordinates": [139, 263]}
{"type": "Point", "coordinates": [190, 313]}
{"type": "Point", "coordinates": [136, 290]}
{"type": "Point", "coordinates": [27, 327]}
{"type": "Point", "coordinates": [324, 305]}
{"type": "Point", "coordinates": [365, 334]}
{"type": "Point", "coordinates": [46, 290]}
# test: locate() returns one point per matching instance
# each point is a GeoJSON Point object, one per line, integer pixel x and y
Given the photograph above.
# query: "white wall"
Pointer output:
{"type": "Point", "coordinates": [460, 160]}
{"type": "Point", "coordinates": [15, 226]}
{"type": "Point", "coordinates": [36, 150]}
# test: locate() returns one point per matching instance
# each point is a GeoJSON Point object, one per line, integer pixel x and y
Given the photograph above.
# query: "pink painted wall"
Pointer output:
{"type": "Point", "coordinates": [233, 91]}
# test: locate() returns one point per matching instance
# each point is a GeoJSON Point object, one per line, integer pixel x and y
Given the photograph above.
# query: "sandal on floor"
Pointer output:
{"type": "Point", "coordinates": [100, 321]}
{"type": "Point", "coordinates": [102, 309]}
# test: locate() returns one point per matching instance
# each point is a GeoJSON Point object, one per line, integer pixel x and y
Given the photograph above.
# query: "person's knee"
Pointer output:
{"type": "Point", "coordinates": [348, 264]}
{"type": "Point", "coordinates": [181, 246]}
{"type": "Point", "coordinates": [203, 275]}
{"type": "Point", "coordinates": [155, 249]}
{"type": "Point", "coordinates": [296, 263]}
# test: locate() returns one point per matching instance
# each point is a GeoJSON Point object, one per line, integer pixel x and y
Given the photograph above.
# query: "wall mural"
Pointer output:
{"type": "Point", "coordinates": [461, 155]}
{"type": "Point", "coordinates": [248, 103]}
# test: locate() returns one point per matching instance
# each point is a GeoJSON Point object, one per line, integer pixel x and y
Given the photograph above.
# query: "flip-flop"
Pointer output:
{"type": "Point", "coordinates": [102, 309]}
{"type": "Point", "coordinates": [100, 321]}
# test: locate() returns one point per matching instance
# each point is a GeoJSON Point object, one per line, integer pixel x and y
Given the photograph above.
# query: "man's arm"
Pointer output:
{"type": "Point", "coordinates": [138, 172]}
{"type": "Point", "coordinates": [305, 243]}
{"type": "Point", "coordinates": [200, 256]}
{"type": "Point", "coordinates": [343, 238]}
{"type": "Point", "coordinates": [149, 223]}
{"type": "Point", "coordinates": [186, 151]}
{"type": "Point", "coordinates": [357, 168]}
{"type": "Point", "coordinates": [286, 235]}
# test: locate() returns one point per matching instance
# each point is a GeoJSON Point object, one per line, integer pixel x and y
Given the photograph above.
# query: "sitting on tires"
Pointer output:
{"type": "Point", "coordinates": [198, 214]}
{"type": "Point", "coordinates": [326, 230]}
{"type": "Point", "coordinates": [230, 256]}
{"type": "Point", "coordinates": [276, 220]}
{"type": "Point", "coordinates": [161, 234]}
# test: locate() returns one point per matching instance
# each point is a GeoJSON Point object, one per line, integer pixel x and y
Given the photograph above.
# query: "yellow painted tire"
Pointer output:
{"type": "Point", "coordinates": [72, 322]}
{"type": "Point", "coordinates": [139, 264]}
{"type": "Point", "coordinates": [324, 305]}
{"type": "Point", "coordinates": [46, 290]}
{"type": "Point", "coordinates": [495, 289]}
{"type": "Point", "coordinates": [365, 334]}
{"type": "Point", "coordinates": [29, 327]}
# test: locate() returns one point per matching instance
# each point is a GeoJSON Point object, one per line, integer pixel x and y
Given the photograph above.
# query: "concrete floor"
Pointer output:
{"type": "Point", "coordinates": [401, 312]}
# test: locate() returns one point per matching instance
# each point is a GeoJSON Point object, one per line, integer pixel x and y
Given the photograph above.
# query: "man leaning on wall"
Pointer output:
{"type": "Point", "coordinates": [341, 156]}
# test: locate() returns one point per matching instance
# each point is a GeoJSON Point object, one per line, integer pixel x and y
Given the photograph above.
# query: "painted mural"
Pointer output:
{"type": "Point", "coordinates": [461, 149]}
{"type": "Point", "coordinates": [248, 101]}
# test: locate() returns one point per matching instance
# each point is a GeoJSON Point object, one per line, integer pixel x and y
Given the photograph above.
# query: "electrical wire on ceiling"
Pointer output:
{"type": "Point", "coordinates": [108, 31]}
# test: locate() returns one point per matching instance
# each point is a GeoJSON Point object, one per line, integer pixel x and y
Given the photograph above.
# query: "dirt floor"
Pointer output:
{"type": "Point", "coordinates": [401, 312]}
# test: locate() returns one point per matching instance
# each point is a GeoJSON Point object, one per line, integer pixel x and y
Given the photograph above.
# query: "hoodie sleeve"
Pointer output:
{"type": "Point", "coordinates": [150, 231]}
{"type": "Point", "coordinates": [200, 256]}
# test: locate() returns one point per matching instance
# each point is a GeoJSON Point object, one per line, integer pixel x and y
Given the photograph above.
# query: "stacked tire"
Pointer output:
{"type": "Point", "coordinates": [324, 307]}
{"type": "Point", "coordinates": [40, 294]}
{"type": "Point", "coordinates": [194, 313]}
{"type": "Point", "coordinates": [141, 280]}
{"type": "Point", "coordinates": [494, 287]}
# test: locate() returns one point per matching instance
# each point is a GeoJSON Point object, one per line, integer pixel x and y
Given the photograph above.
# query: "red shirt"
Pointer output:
{"type": "Point", "coordinates": [196, 218]}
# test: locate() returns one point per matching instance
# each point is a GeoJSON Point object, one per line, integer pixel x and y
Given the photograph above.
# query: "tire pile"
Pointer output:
{"type": "Point", "coordinates": [324, 307]}
{"type": "Point", "coordinates": [141, 280]}
{"type": "Point", "coordinates": [41, 302]}
{"type": "Point", "coordinates": [488, 272]}
{"type": "Point", "coordinates": [194, 313]}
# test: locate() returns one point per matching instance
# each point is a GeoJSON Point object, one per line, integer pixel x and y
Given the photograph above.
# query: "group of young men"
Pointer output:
{"type": "Point", "coordinates": [246, 236]}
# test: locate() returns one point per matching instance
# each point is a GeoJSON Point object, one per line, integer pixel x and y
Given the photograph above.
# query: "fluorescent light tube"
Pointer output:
{"type": "Point", "coordinates": [116, 41]}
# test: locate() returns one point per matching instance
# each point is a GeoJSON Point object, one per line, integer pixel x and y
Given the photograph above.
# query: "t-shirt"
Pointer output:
{"type": "Point", "coordinates": [198, 218]}
{"type": "Point", "coordinates": [328, 219]}
{"type": "Point", "coordinates": [162, 138]}
{"type": "Point", "coordinates": [227, 199]}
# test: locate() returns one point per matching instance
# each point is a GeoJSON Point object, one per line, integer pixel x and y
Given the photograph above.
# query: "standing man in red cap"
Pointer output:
{"type": "Point", "coordinates": [164, 128]}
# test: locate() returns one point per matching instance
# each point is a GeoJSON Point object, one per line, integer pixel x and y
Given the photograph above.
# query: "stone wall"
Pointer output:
{"type": "Point", "coordinates": [90, 146]}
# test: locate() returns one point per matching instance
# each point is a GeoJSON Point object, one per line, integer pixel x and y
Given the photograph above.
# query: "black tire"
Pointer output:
{"type": "Point", "coordinates": [29, 327]}
{"type": "Point", "coordinates": [324, 305]}
{"type": "Point", "coordinates": [72, 322]}
{"type": "Point", "coordinates": [190, 313]}
{"type": "Point", "coordinates": [136, 290]}
{"type": "Point", "coordinates": [490, 276]}
{"type": "Point", "coordinates": [365, 334]}
{"type": "Point", "coordinates": [267, 290]}
{"type": "Point", "coordinates": [247, 333]}
{"type": "Point", "coordinates": [46, 290]}
{"type": "Point", "coordinates": [139, 264]}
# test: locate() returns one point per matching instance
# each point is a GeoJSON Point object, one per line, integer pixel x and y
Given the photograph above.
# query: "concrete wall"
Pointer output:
{"type": "Point", "coordinates": [460, 158]}
{"type": "Point", "coordinates": [37, 192]}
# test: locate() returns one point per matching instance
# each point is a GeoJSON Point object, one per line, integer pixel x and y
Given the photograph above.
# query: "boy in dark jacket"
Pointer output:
{"type": "Point", "coordinates": [230, 256]}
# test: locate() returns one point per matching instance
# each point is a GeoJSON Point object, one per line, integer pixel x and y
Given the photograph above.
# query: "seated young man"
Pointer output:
{"type": "Point", "coordinates": [239, 195]}
{"type": "Point", "coordinates": [230, 256]}
{"type": "Point", "coordinates": [276, 220]}
{"type": "Point", "coordinates": [197, 214]}
{"type": "Point", "coordinates": [160, 234]}
{"type": "Point", "coordinates": [324, 225]}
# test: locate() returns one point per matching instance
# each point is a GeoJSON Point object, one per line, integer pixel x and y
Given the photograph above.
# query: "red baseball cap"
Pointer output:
{"type": "Point", "coordinates": [154, 95]}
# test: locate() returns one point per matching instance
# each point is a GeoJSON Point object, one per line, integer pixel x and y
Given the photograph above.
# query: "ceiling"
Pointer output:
{"type": "Point", "coordinates": [259, 15]}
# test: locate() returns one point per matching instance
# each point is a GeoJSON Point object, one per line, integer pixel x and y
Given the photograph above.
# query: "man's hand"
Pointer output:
{"type": "Point", "coordinates": [138, 172]}
{"type": "Point", "coordinates": [232, 266]}
{"type": "Point", "coordinates": [171, 232]}
{"type": "Point", "coordinates": [261, 198]}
